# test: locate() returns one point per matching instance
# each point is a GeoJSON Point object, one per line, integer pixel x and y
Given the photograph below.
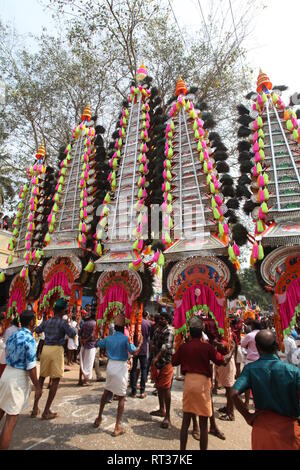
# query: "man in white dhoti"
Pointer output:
{"type": "Point", "coordinates": [87, 350]}
{"type": "Point", "coordinates": [15, 386]}
{"type": "Point", "coordinates": [117, 348]}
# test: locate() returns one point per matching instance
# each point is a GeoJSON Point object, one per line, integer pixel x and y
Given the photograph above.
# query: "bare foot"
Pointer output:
{"type": "Point", "coordinates": [196, 434]}
{"type": "Point", "coordinates": [217, 433]}
{"type": "Point", "coordinates": [118, 432]}
{"type": "Point", "coordinates": [35, 413]}
{"type": "Point", "coordinates": [97, 422]}
{"type": "Point", "coordinates": [165, 424]}
{"type": "Point", "coordinates": [159, 413]}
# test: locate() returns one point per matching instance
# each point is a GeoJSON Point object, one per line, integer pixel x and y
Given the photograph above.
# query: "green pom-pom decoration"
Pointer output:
{"type": "Point", "coordinates": [161, 260]}
{"type": "Point", "coordinates": [266, 194]}
{"type": "Point", "coordinates": [216, 214]}
{"type": "Point", "coordinates": [264, 208]}
{"type": "Point", "coordinates": [261, 253]}
{"type": "Point", "coordinates": [260, 121]}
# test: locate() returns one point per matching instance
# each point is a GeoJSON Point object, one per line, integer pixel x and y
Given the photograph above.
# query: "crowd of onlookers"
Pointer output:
{"type": "Point", "coordinates": [5, 223]}
{"type": "Point", "coordinates": [246, 365]}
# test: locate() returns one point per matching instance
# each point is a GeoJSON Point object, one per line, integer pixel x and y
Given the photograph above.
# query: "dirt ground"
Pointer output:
{"type": "Point", "coordinates": [78, 407]}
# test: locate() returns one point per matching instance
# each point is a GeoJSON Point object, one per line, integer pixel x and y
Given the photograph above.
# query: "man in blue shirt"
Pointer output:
{"type": "Point", "coordinates": [117, 348]}
{"type": "Point", "coordinates": [275, 387]}
{"type": "Point", "coordinates": [52, 357]}
{"type": "Point", "coordinates": [15, 386]}
{"type": "Point", "coordinates": [142, 358]}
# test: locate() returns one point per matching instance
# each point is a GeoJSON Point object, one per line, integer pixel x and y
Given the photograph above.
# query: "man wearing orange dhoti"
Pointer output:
{"type": "Point", "coordinates": [276, 392]}
{"type": "Point", "coordinates": [194, 357]}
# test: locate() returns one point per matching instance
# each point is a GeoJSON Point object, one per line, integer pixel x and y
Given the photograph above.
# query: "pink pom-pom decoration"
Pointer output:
{"type": "Point", "coordinates": [258, 158]}
{"type": "Point", "coordinates": [226, 229]}
{"type": "Point", "coordinates": [261, 215]}
{"type": "Point", "coordinates": [218, 200]}
{"type": "Point", "coordinates": [255, 251]}
{"type": "Point", "coordinates": [261, 181]}
{"type": "Point", "coordinates": [261, 195]}
{"type": "Point", "coordinates": [236, 249]}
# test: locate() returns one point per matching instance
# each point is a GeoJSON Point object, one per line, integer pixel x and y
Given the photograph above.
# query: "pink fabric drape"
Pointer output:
{"type": "Point", "coordinates": [288, 303]}
{"type": "Point", "coordinates": [115, 294]}
{"type": "Point", "coordinates": [17, 296]}
{"type": "Point", "coordinates": [59, 279]}
{"type": "Point", "coordinates": [206, 297]}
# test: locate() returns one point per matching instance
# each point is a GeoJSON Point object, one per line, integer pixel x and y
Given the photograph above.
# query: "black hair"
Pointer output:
{"type": "Point", "coordinates": [15, 321]}
{"type": "Point", "coordinates": [119, 328]}
{"type": "Point", "coordinates": [196, 332]}
{"type": "Point", "coordinates": [26, 317]}
{"type": "Point", "coordinates": [2, 316]}
{"type": "Point", "coordinates": [262, 345]}
{"type": "Point", "coordinates": [168, 316]}
{"type": "Point", "coordinates": [58, 310]}
{"type": "Point", "coordinates": [255, 325]}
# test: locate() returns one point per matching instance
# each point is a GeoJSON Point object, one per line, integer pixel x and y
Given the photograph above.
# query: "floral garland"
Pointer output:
{"type": "Point", "coordinates": [88, 153]}
{"type": "Point", "coordinates": [35, 173]}
{"type": "Point", "coordinates": [58, 190]}
{"type": "Point", "coordinates": [139, 207]}
{"type": "Point", "coordinates": [136, 321]}
{"type": "Point", "coordinates": [293, 322]}
{"type": "Point", "coordinates": [184, 328]}
{"type": "Point", "coordinates": [260, 170]}
{"type": "Point", "coordinates": [56, 290]}
{"type": "Point", "coordinates": [12, 311]}
{"type": "Point", "coordinates": [79, 131]}
{"type": "Point", "coordinates": [13, 240]}
{"type": "Point", "coordinates": [117, 307]}
{"type": "Point", "coordinates": [213, 184]}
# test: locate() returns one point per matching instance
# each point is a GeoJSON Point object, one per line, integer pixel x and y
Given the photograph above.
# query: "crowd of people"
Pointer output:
{"type": "Point", "coordinates": [4, 222]}
{"type": "Point", "coordinates": [260, 385]}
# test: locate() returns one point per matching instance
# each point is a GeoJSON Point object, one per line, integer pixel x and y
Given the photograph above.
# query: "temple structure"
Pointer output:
{"type": "Point", "coordinates": [72, 219]}
{"type": "Point", "coordinates": [27, 243]}
{"type": "Point", "coordinates": [270, 167]}
{"type": "Point", "coordinates": [201, 258]}
{"type": "Point", "coordinates": [123, 233]}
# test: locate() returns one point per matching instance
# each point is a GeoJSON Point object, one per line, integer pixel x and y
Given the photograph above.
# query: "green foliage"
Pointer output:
{"type": "Point", "coordinates": [94, 57]}
{"type": "Point", "coordinates": [252, 290]}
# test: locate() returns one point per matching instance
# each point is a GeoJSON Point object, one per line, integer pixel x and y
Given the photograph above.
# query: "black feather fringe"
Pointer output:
{"type": "Point", "coordinates": [249, 206]}
{"type": "Point", "coordinates": [233, 203]}
{"type": "Point", "coordinates": [244, 132]}
{"type": "Point", "coordinates": [242, 110]}
{"type": "Point", "coordinates": [244, 146]}
{"type": "Point", "coordinates": [239, 234]}
{"type": "Point", "coordinates": [222, 167]}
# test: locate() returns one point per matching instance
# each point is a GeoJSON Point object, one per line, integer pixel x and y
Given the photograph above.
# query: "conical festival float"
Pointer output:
{"type": "Point", "coordinates": [29, 229]}
{"type": "Point", "coordinates": [72, 220]}
{"type": "Point", "coordinates": [122, 236]}
{"type": "Point", "coordinates": [199, 224]}
{"type": "Point", "coordinates": [270, 161]}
